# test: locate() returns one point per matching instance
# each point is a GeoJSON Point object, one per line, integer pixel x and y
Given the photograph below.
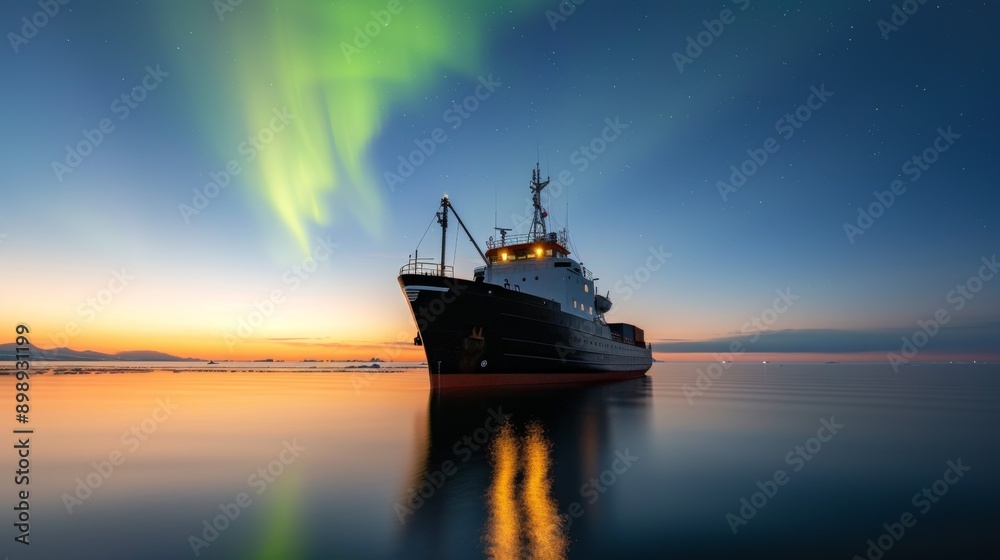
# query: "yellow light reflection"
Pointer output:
{"type": "Point", "coordinates": [546, 538]}
{"type": "Point", "coordinates": [525, 524]}
{"type": "Point", "coordinates": [504, 534]}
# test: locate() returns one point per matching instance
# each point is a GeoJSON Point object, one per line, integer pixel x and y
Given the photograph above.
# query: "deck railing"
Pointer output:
{"type": "Point", "coordinates": [521, 238]}
{"type": "Point", "coordinates": [426, 267]}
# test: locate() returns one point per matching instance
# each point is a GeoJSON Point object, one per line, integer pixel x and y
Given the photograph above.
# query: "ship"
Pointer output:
{"type": "Point", "coordinates": [530, 314]}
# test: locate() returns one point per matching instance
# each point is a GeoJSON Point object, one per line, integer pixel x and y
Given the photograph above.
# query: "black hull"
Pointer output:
{"type": "Point", "coordinates": [482, 334]}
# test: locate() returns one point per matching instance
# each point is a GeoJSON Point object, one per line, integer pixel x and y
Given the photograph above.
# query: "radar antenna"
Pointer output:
{"type": "Point", "coordinates": [503, 235]}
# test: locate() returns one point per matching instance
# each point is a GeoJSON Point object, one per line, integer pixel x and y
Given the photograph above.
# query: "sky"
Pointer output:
{"type": "Point", "coordinates": [243, 180]}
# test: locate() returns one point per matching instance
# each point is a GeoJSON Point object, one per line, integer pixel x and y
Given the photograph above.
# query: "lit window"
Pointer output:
{"type": "Point", "coordinates": [574, 304]}
{"type": "Point", "coordinates": [503, 256]}
{"type": "Point", "coordinates": [586, 288]}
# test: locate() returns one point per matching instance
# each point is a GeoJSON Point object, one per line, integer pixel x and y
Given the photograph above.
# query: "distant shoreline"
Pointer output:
{"type": "Point", "coordinates": [102, 369]}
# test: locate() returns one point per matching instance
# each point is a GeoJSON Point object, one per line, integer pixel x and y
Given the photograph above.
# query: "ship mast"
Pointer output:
{"type": "Point", "coordinates": [442, 218]}
{"type": "Point", "coordinates": [538, 220]}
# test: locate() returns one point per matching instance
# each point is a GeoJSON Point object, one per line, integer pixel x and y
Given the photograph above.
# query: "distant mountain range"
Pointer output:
{"type": "Point", "coordinates": [7, 353]}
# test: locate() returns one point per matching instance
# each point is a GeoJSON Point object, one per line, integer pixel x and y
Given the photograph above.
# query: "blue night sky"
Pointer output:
{"type": "Point", "coordinates": [920, 88]}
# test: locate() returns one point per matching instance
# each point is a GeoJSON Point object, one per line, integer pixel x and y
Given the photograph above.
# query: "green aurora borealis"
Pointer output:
{"type": "Point", "coordinates": [341, 70]}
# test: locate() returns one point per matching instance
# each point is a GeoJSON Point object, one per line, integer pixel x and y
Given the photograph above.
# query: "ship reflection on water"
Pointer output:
{"type": "Point", "coordinates": [527, 521]}
{"type": "Point", "coordinates": [506, 474]}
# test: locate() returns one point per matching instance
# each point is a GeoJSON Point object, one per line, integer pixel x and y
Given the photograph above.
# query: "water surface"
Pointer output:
{"type": "Point", "coordinates": [326, 464]}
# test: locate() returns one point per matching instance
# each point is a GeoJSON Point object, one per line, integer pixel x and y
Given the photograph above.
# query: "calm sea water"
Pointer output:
{"type": "Point", "coordinates": [798, 461]}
